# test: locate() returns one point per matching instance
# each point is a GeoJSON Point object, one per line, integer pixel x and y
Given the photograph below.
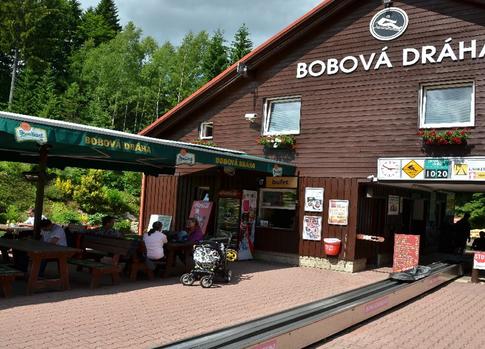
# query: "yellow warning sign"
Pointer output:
{"type": "Point", "coordinates": [412, 169]}
{"type": "Point", "coordinates": [460, 169]}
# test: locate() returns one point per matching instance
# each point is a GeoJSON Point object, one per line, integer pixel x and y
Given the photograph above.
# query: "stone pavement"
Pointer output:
{"type": "Point", "coordinates": [145, 314]}
{"type": "Point", "coordinates": [451, 317]}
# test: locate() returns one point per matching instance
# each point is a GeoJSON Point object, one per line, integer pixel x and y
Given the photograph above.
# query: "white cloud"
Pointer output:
{"type": "Point", "coordinates": [170, 20]}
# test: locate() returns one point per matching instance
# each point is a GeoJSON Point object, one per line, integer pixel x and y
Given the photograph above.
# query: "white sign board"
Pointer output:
{"type": "Point", "coordinates": [479, 261]}
{"type": "Point", "coordinates": [431, 169]}
{"type": "Point", "coordinates": [165, 220]}
{"type": "Point", "coordinates": [314, 199]}
{"type": "Point", "coordinates": [312, 228]}
{"type": "Point", "coordinates": [338, 212]}
{"type": "Point", "coordinates": [393, 203]}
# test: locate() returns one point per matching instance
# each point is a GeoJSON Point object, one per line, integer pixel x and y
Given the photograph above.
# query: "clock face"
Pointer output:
{"type": "Point", "coordinates": [390, 169]}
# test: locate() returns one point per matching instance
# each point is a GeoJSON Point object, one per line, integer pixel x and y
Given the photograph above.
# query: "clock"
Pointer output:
{"type": "Point", "coordinates": [390, 169]}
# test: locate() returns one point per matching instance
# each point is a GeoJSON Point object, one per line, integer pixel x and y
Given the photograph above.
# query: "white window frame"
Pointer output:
{"type": "Point", "coordinates": [422, 105]}
{"type": "Point", "coordinates": [267, 116]}
{"type": "Point", "coordinates": [203, 130]}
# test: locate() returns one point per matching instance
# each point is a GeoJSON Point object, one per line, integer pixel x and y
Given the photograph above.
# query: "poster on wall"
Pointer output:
{"type": "Point", "coordinates": [406, 252]}
{"type": "Point", "coordinates": [450, 204]}
{"type": "Point", "coordinates": [393, 203]}
{"type": "Point", "coordinates": [314, 199]}
{"type": "Point", "coordinates": [249, 205]}
{"type": "Point", "coordinates": [338, 212]}
{"type": "Point", "coordinates": [312, 228]}
{"type": "Point", "coordinates": [201, 210]}
{"type": "Point", "coordinates": [165, 220]}
{"type": "Point", "coordinates": [479, 261]}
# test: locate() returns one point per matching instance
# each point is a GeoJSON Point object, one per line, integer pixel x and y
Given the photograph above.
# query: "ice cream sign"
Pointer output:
{"type": "Point", "coordinates": [26, 133]}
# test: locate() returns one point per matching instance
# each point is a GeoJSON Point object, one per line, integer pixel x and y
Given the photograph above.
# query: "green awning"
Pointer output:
{"type": "Point", "coordinates": [75, 145]}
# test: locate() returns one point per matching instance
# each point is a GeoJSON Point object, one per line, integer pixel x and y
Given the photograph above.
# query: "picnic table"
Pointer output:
{"type": "Point", "coordinates": [172, 248]}
{"type": "Point", "coordinates": [14, 229]}
{"type": "Point", "coordinates": [37, 252]}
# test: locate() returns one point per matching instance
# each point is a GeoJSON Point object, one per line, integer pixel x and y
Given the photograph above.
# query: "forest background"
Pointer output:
{"type": "Point", "coordinates": [60, 62]}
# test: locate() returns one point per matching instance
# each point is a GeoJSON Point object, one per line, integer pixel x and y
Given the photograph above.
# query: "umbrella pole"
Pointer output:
{"type": "Point", "coordinates": [39, 195]}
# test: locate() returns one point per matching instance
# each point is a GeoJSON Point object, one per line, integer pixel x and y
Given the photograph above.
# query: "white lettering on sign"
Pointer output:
{"type": "Point", "coordinates": [428, 54]}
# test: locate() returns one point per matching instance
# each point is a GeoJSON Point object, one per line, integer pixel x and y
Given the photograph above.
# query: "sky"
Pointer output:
{"type": "Point", "coordinates": [170, 20]}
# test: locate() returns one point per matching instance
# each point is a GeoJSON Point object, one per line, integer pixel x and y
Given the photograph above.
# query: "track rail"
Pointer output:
{"type": "Point", "coordinates": [313, 322]}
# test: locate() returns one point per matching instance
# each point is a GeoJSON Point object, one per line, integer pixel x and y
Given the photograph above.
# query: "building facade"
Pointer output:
{"type": "Point", "coordinates": [360, 88]}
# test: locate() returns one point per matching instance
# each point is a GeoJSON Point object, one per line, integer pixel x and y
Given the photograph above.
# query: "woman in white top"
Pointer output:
{"type": "Point", "coordinates": [154, 240]}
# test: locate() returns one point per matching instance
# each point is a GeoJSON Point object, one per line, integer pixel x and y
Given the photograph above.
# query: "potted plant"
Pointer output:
{"type": "Point", "coordinates": [206, 142]}
{"type": "Point", "coordinates": [278, 142]}
{"type": "Point", "coordinates": [444, 137]}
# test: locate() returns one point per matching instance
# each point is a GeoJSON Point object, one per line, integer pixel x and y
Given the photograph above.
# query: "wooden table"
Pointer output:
{"type": "Point", "coordinates": [15, 229]}
{"type": "Point", "coordinates": [172, 248]}
{"type": "Point", "coordinates": [37, 252]}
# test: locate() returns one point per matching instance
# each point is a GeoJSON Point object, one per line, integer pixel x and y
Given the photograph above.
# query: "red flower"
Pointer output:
{"type": "Point", "coordinates": [449, 133]}
{"type": "Point", "coordinates": [463, 133]}
{"type": "Point", "coordinates": [429, 141]}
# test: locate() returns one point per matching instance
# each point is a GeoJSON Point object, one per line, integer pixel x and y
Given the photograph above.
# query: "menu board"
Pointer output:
{"type": "Point", "coordinates": [338, 212]}
{"type": "Point", "coordinates": [201, 210]}
{"type": "Point", "coordinates": [406, 252]}
{"type": "Point", "coordinates": [312, 228]}
{"type": "Point", "coordinates": [165, 220]}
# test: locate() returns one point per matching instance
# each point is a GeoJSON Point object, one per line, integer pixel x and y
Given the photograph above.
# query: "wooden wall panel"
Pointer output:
{"type": "Point", "coordinates": [349, 120]}
{"type": "Point", "coordinates": [335, 189]}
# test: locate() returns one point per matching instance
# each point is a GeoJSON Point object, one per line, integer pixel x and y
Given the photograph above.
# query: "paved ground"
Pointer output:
{"type": "Point", "coordinates": [145, 314]}
{"type": "Point", "coordinates": [452, 317]}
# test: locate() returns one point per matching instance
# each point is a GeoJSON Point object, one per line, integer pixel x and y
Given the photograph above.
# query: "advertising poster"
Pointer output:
{"type": "Point", "coordinates": [393, 203]}
{"type": "Point", "coordinates": [312, 228]}
{"type": "Point", "coordinates": [338, 212]}
{"type": "Point", "coordinates": [479, 261]}
{"type": "Point", "coordinates": [201, 210]}
{"type": "Point", "coordinates": [406, 252]}
{"type": "Point", "coordinates": [165, 220]}
{"type": "Point", "coordinates": [249, 207]}
{"type": "Point", "coordinates": [314, 199]}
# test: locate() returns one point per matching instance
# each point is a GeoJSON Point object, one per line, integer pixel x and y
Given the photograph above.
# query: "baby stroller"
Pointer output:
{"type": "Point", "coordinates": [211, 259]}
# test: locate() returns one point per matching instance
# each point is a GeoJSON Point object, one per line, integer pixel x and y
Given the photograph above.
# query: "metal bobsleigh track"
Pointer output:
{"type": "Point", "coordinates": [313, 322]}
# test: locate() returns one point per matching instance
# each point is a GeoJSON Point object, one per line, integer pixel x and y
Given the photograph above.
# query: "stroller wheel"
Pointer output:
{"type": "Point", "coordinates": [187, 279]}
{"type": "Point", "coordinates": [206, 281]}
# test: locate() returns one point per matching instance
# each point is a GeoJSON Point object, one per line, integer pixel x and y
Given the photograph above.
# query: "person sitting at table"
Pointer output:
{"type": "Point", "coordinates": [107, 228]}
{"type": "Point", "coordinates": [194, 230]}
{"type": "Point", "coordinates": [30, 220]}
{"type": "Point", "coordinates": [479, 243]}
{"type": "Point", "coordinates": [154, 240]}
{"type": "Point", "coordinates": [52, 234]}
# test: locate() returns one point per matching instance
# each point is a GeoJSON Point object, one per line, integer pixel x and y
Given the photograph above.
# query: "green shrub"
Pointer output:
{"type": "Point", "coordinates": [61, 213]}
{"type": "Point", "coordinates": [123, 225]}
{"type": "Point", "coordinates": [13, 214]}
{"type": "Point", "coordinates": [95, 219]}
{"type": "Point", "coordinates": [118, 202]}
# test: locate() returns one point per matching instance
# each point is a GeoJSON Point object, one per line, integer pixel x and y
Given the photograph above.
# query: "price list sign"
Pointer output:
{"type": "Point", "coordinates": [406, 252]}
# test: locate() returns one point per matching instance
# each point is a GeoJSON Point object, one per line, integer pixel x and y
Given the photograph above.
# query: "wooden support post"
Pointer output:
{"type": "Point", "coordinates": [475, 276]}
{"type": "Point", "coordinates": [39, 196]}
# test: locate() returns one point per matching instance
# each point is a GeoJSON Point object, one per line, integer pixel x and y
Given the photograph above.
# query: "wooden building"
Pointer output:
{"type": "Point", "coordinates": [351, 83]}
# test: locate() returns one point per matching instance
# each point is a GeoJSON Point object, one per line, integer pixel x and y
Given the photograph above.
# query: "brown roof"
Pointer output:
{"type": "Point", "coordinates": [231, 71]}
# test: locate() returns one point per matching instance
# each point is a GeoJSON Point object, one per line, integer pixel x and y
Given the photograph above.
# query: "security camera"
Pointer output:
{"type": "Point", "coordinates": [251, 117]}
{"type": "Point", "coordinates": [372, 178]}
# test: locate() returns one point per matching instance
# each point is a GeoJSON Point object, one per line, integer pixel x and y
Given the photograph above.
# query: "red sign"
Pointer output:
{"type": "Point", "coordinates": [267, 345]}
{"type": "Point", "coordinates": [201, 210]}
{"type": "Point", "coordinates": [406, 252]}
{"type": "Point", "coordinates": [479, 261]}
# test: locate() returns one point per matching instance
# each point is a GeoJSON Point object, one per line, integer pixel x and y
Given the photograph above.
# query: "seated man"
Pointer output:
{"type": "Point", "coordinates": [479, 244]}
{"type": "Point", "coordinates": [106, 229]}
{"type": "Point", "coordinates": [52, 233]}
{"type": "Point", "coordinates": [30, 220]}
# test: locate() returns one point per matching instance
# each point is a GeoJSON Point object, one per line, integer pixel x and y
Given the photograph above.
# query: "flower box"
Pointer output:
{"type": "Point", "coordinates": [206, 142]}
{"type": "Point", "coordinates": [278, 142]}
{"type": "Point", "coordinates": [444, 137]}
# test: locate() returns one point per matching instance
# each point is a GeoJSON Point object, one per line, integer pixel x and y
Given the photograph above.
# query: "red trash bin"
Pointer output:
{"type": "Point", "coordinates": [332, 246]}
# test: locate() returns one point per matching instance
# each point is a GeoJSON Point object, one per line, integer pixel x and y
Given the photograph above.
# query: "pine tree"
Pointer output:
{"type": "Point", "coordinates": [25, 94]}
{"type": "Point", "coordinates": [241, 45]}
{"type": "Point", "coordinates": [216, 59]}
{"type": "Point", "coordinates": [94, 27]}
{"type": "Point", "coordinates": [107, 9]}
{"type": "Point", "coordinates": [45, 99]}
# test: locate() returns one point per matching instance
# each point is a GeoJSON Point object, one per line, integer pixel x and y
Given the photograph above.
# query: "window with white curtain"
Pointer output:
{"type": "Point", "coordinates": [282, 116]}
{"type": "Point", "coordinates": [447, 105]}
{"type": "Point", "coordinates": [206, 130]}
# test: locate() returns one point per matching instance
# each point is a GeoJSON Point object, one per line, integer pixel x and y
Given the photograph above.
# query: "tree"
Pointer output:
{"type": "Point", "coordinates": [25, 101]}
{"type": "Point", "coordinates": [241, 44]}
{"type": "Point", "coordinates": [94, 27]}
{"type": "Point", "coordinates": [475, 206]}
{"type": "Point", "coordinates": [216, 59]}
{"type": "Point", "coordinates": [45, 98]}
{"type": "Point", "coordinates": [107, 9]}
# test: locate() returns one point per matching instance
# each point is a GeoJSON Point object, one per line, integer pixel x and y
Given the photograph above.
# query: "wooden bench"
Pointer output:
{"type": "Point", "coordinates": [7, 276]}
{"type": "Point", "coordinates": [115, 248]}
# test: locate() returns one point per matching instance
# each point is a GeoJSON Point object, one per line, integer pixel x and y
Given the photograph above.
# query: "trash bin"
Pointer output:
{"type": "Point", "coordinates": [332, 246]}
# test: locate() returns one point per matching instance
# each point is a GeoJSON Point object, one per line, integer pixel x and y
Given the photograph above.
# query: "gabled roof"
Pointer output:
{"type": "Point", "coordinates": [324, 10]}
{"type": "Point", "coordinates": [250, 59]}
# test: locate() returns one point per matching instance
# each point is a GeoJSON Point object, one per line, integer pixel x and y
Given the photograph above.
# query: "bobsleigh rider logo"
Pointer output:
{"type": "Point", "coordinates": [389, 24]}
{"type": "Point", "coordinates": [27, 133]}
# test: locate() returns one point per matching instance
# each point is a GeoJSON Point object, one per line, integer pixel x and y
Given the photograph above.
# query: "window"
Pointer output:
{"type": "Point", "coordinates": [451, 105]}
{"type": "Point", "coordinates": [277, 208]}
{"type": "Point", "coordinates": [206, 129]}
{"type": "Point", "coordinates": [282, 116]}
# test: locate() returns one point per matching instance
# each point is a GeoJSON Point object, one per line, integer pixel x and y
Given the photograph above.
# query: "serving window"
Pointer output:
{"type": "Point", "coordinates": [447, 105]}
{"type": "Point", "coordinates": [277, 208]}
